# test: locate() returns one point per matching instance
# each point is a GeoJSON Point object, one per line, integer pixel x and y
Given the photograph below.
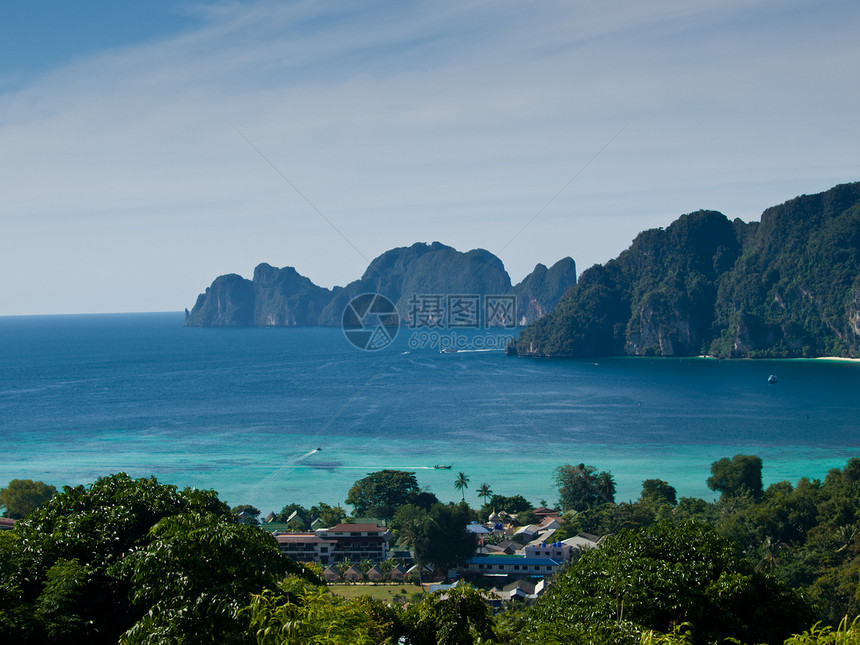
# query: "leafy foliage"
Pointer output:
{"type": "Point", "coordinates": [130, 556]}
{"type": "Point", "coordinates": [582, 487]}
{"type": "Point", "coordinates": [462, 483]}
{"type": "Point", "coordinates": [667, 574]}
{"type": "Point", "coordinates": [512, 504]}
{"type": "Point", "coordinates": [658, 492]}
{"type": "Point", "coordinates": [21, 496]}
{"type": "Point", "coordinates": [381, 493]}
{"type": "Point", "coordinates": [736, 476]}
{"type": "Point", "coordinates": [458, 616]}
{"type": "Point", "coordinates": [298, 614]}
{"type": "Point", "coordinates": [437, 536]}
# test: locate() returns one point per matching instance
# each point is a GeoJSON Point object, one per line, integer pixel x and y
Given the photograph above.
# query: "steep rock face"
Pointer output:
{"type": "Point", "coordinates": [791, 291]}
{"type": "Point", "coordinates": [788, 286]}
{"type": "Point", "coordinates": [283, 297]}
{"type": "Point", "coordinates": [854, 313]}
{"type": "Point", "coordinates": [540, 291]}
{"type": "Point", "coordinates": [404, 273]}
{"type": "Point", "coordinates": [275, 297]}
{"type": "Point", "coordinates": [229, 302]}
{"type": "Point", "coordinates": [661, 328]}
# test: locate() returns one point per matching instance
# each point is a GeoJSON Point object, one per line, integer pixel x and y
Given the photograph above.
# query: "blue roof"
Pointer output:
{"type": "Point", "coordinates": [512, 559]}
{"type": "Point", "coordinates": [477, 528]}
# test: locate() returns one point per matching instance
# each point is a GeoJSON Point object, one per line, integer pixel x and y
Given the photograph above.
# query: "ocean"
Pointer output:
{"type": "Point", "coordinates": [244, 411]}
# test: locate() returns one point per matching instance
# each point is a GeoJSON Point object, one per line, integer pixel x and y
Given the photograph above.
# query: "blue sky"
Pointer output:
{"type": "Point", "coordinates": [127, 180]}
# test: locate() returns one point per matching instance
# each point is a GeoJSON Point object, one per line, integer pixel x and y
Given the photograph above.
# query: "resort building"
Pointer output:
{"type": "Point", "coordinates": [306, 547]}
{"type": "Point", "coordinates": [353, 542]}
{"type": "Point", "coordinates": [510, 565]}
{"type": "Point", "coordinates": [357, 542]}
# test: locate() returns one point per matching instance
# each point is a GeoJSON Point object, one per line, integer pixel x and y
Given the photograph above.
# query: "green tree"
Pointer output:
{"type": "Point", "coordinates": [71, 570]}
{"type": "Point", "coordinates": [328, 515]}
{"type": "Point", "coordinates": [411, 526]}
{"type": "Point", "coordinates": [458, 616]}
{"type": "Point", "coordinates": [658, 493]}
{"type": "Point", "coordinates": [21, 496]}
{"type": "Point", "coordinates": [195, 574]}
{"type": "Point", "coordinates": [509, 504]}
{"type": "Point", "coordinates": [582, 487]}
{"type": "Point", "coordinates": [288, 510]}
{"type": "Point", "coordinates": [306, 614]}
{"type": "Point", "coordinates": [461, 484]}
{"type": "Point", "coordinates": [484, 492]}
{"type": "Point", "coordinates": [425, 499]}
{"type": "Point", "coordinates": [732, 477]}
{"type": "Point", "coordinates": [664, 575]}
{"type": "Point", "coordinates": [252, 513]}
{"type": "Point", "coordinates": [381, 493]}
{"type": "Point", "coordinates": [437, 536]}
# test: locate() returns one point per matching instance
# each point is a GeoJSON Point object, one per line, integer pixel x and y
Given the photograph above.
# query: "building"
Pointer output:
{"type": "Point", "coordinates": [357, 542]}
{"type": "Point", "coordinates": [583, 541]}
{"type": "Point", "coordinates": [6, 524]}
{"type": "Point", "coordinates": [558, 551]}
{"type": "Point", "coordinates": [306, 547]}
{"type": "Point", "coordinates": [510, 565]}
{"type": "Point", "coordinates": [353, 542]}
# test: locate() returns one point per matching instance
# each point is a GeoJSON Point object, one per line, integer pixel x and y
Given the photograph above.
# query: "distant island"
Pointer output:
{"type": "Point", "coordinates": [284, 298]}
{"type": "Point", "coordinates": [787, 287]}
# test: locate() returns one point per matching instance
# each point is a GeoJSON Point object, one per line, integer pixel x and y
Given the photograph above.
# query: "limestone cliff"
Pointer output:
{"type": "Point", "coordinates": [283, 297]}
{"type": "Point", "coordinates": [786, 287]}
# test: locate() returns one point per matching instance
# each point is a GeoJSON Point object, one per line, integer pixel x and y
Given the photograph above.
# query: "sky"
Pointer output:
{"type": "Point", "coordinates": [148, 147]}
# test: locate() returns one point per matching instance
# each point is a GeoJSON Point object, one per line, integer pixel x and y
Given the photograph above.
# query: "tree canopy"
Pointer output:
{"type": "Point", "coordinates": [582, 487]}
{"type": "Point", "coordinates": [664, 575]}
{"type": "Point", "coordinates": [738, 475]}
{"type": "Point", "coordinates": [381, 493]}
{"type": "Point", "coordinates": [659, 492]}
{"type": "Point", "coordinates": [132, 561]}
{"type": "Point", "coordinates": [21, 496]}
{"type": "Point", "coordinates": [437, 536]}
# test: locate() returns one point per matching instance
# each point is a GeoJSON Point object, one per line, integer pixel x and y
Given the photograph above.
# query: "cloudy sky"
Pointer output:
{"type": "Point", "coordinates": [147, 147]}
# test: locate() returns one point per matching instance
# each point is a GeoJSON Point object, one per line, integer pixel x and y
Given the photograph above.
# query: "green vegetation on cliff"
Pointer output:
{"type": "Point", "coordinates": [787, 287]}
{"type": "Point", "coordinates": [283, 297]}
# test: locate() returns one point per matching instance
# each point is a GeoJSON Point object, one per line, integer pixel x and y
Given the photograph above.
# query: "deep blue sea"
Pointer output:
{"type": "Point", "coordinates": [242, 411]}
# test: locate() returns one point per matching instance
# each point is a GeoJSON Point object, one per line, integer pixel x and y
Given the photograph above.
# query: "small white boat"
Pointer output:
{"type": "Point", "coordinates": [772, 379]}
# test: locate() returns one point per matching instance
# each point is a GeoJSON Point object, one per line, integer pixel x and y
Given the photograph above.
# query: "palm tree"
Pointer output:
{"type": "Point", "coordinates": [412, 527]}
{"type": "Point", "coordinates": [484, 492]}
{"type": "Point", "coordinates": [462, 483]}
{"type": "Point", "coordinates": [605, 485]}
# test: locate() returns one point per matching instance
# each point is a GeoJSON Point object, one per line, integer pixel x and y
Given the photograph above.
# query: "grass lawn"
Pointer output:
{"type": "Point", "coordinates": [380, 592]}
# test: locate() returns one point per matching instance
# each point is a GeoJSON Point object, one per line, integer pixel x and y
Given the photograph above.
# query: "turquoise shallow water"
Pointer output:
{"type": "Point", "coordinates": [241, 410]}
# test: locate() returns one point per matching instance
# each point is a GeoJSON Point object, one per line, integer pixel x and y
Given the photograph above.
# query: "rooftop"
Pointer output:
{"type": "Point", "coordinates": [353, 528]}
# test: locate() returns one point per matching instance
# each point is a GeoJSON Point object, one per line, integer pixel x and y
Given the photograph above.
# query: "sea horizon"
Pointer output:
{"type": "Point", "coordinates": [242, 411]}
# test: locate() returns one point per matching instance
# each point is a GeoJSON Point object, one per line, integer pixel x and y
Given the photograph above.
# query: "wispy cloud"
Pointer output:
{"type": "Point", "coordinates": [125, 187]}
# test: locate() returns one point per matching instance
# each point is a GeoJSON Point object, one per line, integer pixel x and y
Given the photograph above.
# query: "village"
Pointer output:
{"type": "Point", "coordinates": [510, 561]}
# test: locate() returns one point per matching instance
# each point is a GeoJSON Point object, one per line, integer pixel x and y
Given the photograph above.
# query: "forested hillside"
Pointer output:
{"type": "Point", "coordinates": [786, 287]}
